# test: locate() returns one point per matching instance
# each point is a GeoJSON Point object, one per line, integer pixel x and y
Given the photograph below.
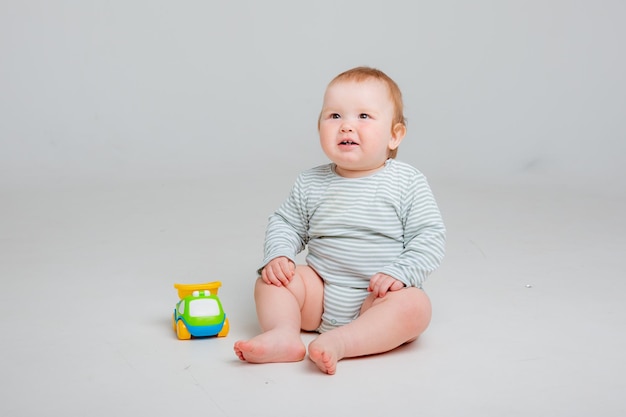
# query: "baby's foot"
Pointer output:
{"type": "Point", "coordinates": [325, 354]}
{"type": "Point", "coordinates": [271, 346]}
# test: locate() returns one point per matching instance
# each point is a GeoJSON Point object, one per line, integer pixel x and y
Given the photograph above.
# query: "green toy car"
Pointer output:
{"type": "Point", "coordinates": [199, 312]}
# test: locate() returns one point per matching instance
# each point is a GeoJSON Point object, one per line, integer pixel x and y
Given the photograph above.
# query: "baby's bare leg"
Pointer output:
{"type": "Point", "coordinates": [384, 324]}
{"type": "Point", "coordinates": [282, 312]}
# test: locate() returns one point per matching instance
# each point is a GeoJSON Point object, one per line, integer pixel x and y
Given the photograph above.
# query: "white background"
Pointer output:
{"type": "Point", "coordinates": [495, 91]}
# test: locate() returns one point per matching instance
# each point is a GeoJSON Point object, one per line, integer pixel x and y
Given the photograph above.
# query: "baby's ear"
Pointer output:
{"type": "Point", "coordinates": [397, 134]}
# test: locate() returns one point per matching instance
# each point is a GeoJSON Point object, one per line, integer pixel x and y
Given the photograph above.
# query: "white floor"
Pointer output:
{"type": "Point", "coordinates": [529, 308]}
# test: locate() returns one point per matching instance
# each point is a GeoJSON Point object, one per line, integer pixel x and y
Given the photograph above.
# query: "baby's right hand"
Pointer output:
{"type": "Point", "coordinates": [279, 271]}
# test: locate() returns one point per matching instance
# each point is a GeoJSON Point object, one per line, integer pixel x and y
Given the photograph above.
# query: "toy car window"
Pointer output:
{"type": "Point", "coordinates": [203, 307]}
{"type": "Point", "coordinates": [181, 308]}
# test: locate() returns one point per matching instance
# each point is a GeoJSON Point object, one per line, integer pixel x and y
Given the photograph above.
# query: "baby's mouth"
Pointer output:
{"type": "Point", "coordinates": [347, 142]}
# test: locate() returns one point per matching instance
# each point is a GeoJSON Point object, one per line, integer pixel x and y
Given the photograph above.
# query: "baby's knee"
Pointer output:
{"type": "Point", "coordinates": [259, 282]}
{"type": "Point", "coordinates": [416, 303]}
{"type": "Point", "coordinates": [417, 306]}
{"type": "Point", "coordinates": [413, 308]}
{"type": "Point", "coordinates": [419, 301]}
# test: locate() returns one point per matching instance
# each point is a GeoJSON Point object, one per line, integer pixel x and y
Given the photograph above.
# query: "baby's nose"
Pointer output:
{"type": "Point", "coordinates": [346, 128]}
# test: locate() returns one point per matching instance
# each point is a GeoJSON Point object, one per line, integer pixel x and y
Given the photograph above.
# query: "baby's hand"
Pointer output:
{"type": "Point", "coordinates": [380, 284]}
{"type": "Point", "coordinates": [279, 271]}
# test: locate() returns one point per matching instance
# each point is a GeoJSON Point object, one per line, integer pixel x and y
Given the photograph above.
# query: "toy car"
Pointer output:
{"type": "Point", "coordinates": [199, 312]}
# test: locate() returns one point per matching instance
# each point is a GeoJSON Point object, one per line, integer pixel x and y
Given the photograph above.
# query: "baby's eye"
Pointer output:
{"type": "Point", "coordinates": [364, 116]}
{"type": "Point", "coordinates": [335, 116]}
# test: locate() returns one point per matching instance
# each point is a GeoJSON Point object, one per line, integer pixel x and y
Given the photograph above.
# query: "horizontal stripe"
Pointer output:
{"type": "Point", "coordinates": [388, 222]}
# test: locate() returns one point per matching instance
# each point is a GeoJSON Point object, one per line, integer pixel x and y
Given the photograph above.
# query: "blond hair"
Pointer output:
{"type": "Point", "coordinates": [359, 74]}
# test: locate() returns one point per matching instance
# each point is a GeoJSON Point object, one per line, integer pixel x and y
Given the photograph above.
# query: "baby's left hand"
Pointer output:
{"type": "Point", "coordinates": [380, 284]}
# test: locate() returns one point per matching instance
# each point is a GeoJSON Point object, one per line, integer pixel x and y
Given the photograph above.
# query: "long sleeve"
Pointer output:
{"type": "Point", "coordinates": [424, 236]}
{"type": "Point", "coordinates": [286, 233]}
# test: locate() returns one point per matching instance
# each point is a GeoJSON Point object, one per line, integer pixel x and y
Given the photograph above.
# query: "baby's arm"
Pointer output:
{"type": "Point", "coordinates": [285, 236]}
{"type": "Point", "coordinates": [424, 236]}
{"type": "Point", "coordinates": [279, 271]}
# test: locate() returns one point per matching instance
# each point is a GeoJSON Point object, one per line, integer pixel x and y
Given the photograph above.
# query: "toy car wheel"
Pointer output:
{"type": "Point", "coordinates": [225, 329]}
{"type": "Point", "coordinates": [181, 331]}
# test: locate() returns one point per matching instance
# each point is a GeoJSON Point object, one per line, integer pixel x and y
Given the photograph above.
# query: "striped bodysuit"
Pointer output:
{"type": "Point", "coordinates": [353, 228]}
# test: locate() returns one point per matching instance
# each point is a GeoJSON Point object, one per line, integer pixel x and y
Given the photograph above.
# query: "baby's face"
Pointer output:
{"type": "Point", "coordinates": [356, 126]}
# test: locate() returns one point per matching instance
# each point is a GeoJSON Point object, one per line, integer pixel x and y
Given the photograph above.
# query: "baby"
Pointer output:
{"type": "Point", "coordinates": [373, 233]}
